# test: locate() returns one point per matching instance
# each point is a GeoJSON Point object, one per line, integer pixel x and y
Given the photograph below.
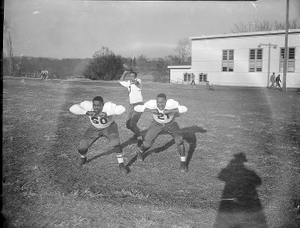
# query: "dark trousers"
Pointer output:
{"type": "Point", "coordinates": [133, 118]}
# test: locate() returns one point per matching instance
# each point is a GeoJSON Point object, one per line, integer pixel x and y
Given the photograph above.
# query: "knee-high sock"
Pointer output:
{"type": "Point", "coordinates": [181, 150]}
{"type": "Point", "coordinates": [118, 151]}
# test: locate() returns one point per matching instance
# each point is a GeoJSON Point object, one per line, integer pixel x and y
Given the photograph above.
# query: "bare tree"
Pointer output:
{"type": "Point", "coordinates": [183, 50]}
{"type": "Point", "coordinates": [172, 59]}
{"type": "Point", "coordinates": [258, 26]}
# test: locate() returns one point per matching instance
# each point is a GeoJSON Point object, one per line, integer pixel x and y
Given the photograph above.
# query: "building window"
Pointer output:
{"type": "Point", "coordinates": [187, 77]}
{"type": "Point", "coordinates": [291, 60]}
{"type": "Point", "coordinates": [255, 60]}
{"type": "Point", "coordinates": [227, 60]}
{"type": "Point", "coordinates": [202, 77]}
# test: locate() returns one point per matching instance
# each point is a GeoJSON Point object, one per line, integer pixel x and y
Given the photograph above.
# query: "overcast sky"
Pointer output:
{"type": "Point", "coordinates": [77, 29]}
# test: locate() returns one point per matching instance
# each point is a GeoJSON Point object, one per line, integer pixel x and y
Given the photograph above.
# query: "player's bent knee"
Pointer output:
{"type": "Point", "coordinates": [82, 151]}
{"type": "Point", "coordinates": [117, 149]}
{"type": "Point", "coordinates": [147, 144]}
{"type": "Point", "coordinates": [128, 124]}
{"type": "Point", "coordinates": [114, 141]}
{"type": "Point", "coordinates": [83, 147]}
{"type": "Point", "coordinates": [132, 124]}
{"type": "Point", "coordinates": [179, 140]}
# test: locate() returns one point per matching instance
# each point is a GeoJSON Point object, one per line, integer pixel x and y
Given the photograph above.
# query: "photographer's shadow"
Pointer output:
{"type": "Point", "coordinates": [189, 136]}
{"type": "Point", "coordinates": [240, 205]}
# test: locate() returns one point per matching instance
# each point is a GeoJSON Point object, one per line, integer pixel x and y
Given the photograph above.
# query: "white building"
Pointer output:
{"type": "Point", "coordinates": [241, 59]}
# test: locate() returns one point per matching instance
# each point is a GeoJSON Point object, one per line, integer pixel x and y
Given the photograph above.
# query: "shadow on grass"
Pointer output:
{"type": "Point", "coordinates": [188, 134]}
{"type": "Point", "coordinates": [129, 142]}
{"type": "Point", "coordinates": [240, 205]}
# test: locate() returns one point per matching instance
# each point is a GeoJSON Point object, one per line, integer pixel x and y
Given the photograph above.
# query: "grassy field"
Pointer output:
{"type": "Point", "coordinates": [43, 185]}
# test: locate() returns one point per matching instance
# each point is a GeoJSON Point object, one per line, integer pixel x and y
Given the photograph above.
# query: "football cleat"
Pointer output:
{"type": "Point", "coordinates": [183, 167]}
{"type": "Point", "coordinates": [83, 161]}
{"type": "Point", "coordinates": [123, 169]}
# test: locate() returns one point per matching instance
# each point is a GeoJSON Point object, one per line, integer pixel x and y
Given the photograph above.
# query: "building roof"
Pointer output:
{"type": "Point", "coordinates": [180, 67]}
{"type": "Point", "coordinates": [232, 35]}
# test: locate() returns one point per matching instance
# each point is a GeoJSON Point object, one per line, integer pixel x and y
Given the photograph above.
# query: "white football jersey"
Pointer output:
{"type": "Point", "coordinates": [135, 93]}
{"type": "Point", "coordinates": [109, 108]}
{"type": "Point", "coordinates": [160, 117]}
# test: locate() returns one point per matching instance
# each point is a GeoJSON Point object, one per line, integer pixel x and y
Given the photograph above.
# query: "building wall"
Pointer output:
{"type": "Point", "coordinates": [177, 75]}
{"type": "Point", "coordinates": [207, 58]}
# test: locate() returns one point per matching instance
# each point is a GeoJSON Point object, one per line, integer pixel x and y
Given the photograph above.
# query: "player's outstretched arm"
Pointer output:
{"type": "Point", "coordinates": [138, 83]}
{"type": "Point", "coordinates": [124, 75]}
{"type": "Point", "coordinates": [81, 109]}
{"type": "Point", "coordinates": [176, 111]}
{"type": "Point", "coordinates": [173, 110]}
{"type": "Point", "coordinates": [143, 108]}
{"type": "Point", "coordinates": [122, 79]}
{"type": "Point", "coordinates": [151, 104]}
{"type": "Point", "coordinates": [182, 109]}
{"type": "Point", "coordinates": [119, 110]}
{"type": "Point", "coordinates": [113, 109]}
{"type": "Point", "coordinates": [173, 106]}
{"type": "Point", "coordinates": [139, 108]}
{"type": "Point", "coordinates": [153, 110]}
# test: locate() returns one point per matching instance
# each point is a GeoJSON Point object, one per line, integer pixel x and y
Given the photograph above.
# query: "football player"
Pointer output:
{"type": "Point", "coordinates": [101, 116]}
{"type": "Point", "coordinates": [134, 87]}
{"type": "Point", "coordinates": [164, 113]}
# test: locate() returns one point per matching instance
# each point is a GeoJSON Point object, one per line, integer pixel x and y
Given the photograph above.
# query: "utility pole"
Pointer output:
{"type": "Point", "coordinates": [286, 47]}
{"type": "Point", "coordinates": [11, 61]}
{"type": "Point", "coordinates": [8, 53]}
{"type": "Point", "coordinates": [269, 59]}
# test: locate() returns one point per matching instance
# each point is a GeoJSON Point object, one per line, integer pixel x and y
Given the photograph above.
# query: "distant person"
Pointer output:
{"type": "Point", "coordinates": [278, 80]}
{"type": "Point", "coordinates": [193, 79]}
{"type": "Point", "coordinates": [164, 113]}
{"type": "Point", "coordinates": [44, 74]}
{"type": "Point", "coordinates": [101, 116]}
{"type": "Point", "coordinates": [134, 86]}
{"type": "Point", "coordinates": [272, 80]}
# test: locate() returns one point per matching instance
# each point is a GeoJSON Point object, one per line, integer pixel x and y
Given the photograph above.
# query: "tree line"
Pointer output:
{"type": "Point", "coordinates": [258, 26]}
{"type": "Point", "coordinates": [58, 68]}
{"type": "Point", "coordinates": [104, 65]}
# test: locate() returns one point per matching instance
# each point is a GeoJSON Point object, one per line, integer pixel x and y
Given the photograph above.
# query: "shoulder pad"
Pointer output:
{"type": "Point", "coordinates": [108, 106]}
{"type": "Point", "coordinates": [171, 104]}
{"type": "Point", "coordinates": [151, 104]}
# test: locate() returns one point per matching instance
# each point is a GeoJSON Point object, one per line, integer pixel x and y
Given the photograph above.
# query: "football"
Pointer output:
{"type": "Point", "coordinates": [127, 67]}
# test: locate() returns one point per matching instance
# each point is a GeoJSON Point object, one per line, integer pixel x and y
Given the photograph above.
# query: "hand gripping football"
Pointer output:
{"type": "Point", "coordinates": [127, 67]}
